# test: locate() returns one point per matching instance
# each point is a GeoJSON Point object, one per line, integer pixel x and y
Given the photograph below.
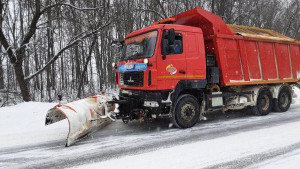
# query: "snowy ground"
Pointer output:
{"type": "Point", "coordinates": [208, 153]}
{"type": "Point", "coordinates": [24, 124]}
{"type": "Point", "coordinates": [235, 140]}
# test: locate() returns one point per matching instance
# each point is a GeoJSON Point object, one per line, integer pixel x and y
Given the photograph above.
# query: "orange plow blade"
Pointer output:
{"type": "Point", "coordinates": [84, 116]}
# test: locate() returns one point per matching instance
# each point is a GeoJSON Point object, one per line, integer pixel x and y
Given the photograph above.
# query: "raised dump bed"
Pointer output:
{"type": "Point", "coordinates": [246, 55]}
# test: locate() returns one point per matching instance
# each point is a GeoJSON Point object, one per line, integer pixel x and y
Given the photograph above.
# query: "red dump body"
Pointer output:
{"type": "Point", "coordinates": [246, 55]}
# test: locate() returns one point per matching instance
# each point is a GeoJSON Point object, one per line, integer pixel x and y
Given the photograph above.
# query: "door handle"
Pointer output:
{"type": "Point", "coordinates": [182, 71]}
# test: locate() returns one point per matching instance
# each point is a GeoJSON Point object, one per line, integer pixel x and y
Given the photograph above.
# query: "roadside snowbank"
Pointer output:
{"type": "Point", "coordinates": [24, 124]}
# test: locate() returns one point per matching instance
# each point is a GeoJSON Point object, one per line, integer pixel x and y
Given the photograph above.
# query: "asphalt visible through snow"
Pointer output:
{"type": "Point", "coordinates": [118, 140]}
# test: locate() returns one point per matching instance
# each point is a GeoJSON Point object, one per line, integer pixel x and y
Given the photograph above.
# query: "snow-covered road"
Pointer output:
{"type": "Point", "coordinates": [234, 140]}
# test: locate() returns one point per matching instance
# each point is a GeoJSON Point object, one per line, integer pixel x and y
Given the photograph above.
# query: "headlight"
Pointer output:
{"type": "Point", "coordinates": [126, 92]}
{"type": "Point", "coordinates": [146, 61]}
{"type": "Point", "coordinates": [113, 64]}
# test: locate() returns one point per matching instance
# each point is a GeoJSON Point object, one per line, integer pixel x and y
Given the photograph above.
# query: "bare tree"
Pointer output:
{"type": "Point", "coordinates": [18, 55]}
{"type": "Point", "coordinates": [1, 57]}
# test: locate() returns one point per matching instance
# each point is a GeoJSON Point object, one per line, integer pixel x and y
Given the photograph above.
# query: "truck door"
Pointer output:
{"type": "Point", "coordinates": [195, 56]}
{"type": "Point", "coordinates": [173, 67]}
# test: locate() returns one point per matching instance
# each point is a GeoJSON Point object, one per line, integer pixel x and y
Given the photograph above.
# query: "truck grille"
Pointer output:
{"type": "Point", "coordinates": [132, 78]}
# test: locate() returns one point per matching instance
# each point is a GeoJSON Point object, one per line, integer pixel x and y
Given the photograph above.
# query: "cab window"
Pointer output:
{"type": "Point", "coordinates": [177, 47]}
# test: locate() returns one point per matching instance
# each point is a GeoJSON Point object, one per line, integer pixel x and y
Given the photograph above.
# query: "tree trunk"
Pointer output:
{"type": "Point", "coordinates": [1, 74]}
{"type": "Point", "coordinates": [83, 74]}
{"type": "Point", "coordinates": [212, 6]}
{"type": "Point", "coordinates": [99, 64]}
{"type": "Point", "coordinates": [22, 83]}
{"type": "Point", "coordinates": [1, 68]}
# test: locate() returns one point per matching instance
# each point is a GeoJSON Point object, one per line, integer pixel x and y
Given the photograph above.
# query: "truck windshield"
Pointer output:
{"type": "Point", "coordinates": [140, 46]}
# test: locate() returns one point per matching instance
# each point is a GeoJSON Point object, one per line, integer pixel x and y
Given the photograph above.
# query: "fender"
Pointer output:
{"type": "Point", "coordinates": [187, 84]}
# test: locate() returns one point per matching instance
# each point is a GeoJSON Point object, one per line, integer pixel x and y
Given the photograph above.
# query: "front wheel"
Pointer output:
{"type": "Point", "coordinates": [186, 111]}
{"type": "Point", "coordinates": [264, 103]}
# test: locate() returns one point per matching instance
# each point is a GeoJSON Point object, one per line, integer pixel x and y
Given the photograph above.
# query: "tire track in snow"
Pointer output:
{"type": "Point", "coordinates": [249, 161]}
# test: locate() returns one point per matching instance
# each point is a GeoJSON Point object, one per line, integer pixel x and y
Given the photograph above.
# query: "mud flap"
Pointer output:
{"type": "Point", "coordinates": [84, 116]}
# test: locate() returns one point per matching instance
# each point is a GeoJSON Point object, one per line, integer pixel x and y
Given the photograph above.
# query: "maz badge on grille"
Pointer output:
{"type": "Point", "coordinates": [130, 80]}
{"type": "Point", "coordinates": [129, 65]}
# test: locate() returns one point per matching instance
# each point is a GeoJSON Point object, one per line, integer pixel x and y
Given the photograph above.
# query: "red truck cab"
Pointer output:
{"type": "Point", "coordinates": [186, 62]}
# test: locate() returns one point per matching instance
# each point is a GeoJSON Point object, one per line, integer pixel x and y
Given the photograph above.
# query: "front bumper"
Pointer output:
{"type": "Point", "coordinates": [133, 101]}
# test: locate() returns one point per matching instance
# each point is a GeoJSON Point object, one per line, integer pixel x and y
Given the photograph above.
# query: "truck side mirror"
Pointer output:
{"type": "Point", "coordinates": [171, 36]}
{"type": "Point", "coordinates": [164, 48]}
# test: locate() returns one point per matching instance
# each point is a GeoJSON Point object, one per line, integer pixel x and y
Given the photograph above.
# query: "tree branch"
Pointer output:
{"type": "Point", "coordinates": [153, 11]}
{"type": "Point", "coordinates": [53, 59]}
{"type": "Point", "coordinates": [162, 8]}
{"type": "Point", "coordinates": [33, 23]}
{"type": "Point", "coordinates": [64, 4]}
{"type": "Point", "coordinates": [37, 15]}
{"type": "Point", "coordinates": [4, 41]}
{"type": "Point", "coordinates": [6, 46]}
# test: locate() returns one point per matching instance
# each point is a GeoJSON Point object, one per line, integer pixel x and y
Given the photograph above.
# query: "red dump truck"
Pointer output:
{"type": "Point", "coordinates": [187, 65]}
{"type": "Point", "coordinates": [194, 63]}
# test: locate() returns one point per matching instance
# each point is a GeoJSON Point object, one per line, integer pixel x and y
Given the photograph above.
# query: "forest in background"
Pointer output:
{"type": "Point", "coordinates": [50, 47]}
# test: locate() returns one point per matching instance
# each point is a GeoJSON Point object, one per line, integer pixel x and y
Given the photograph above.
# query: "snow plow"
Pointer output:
{"type": "Point", "coordinates": [189, 65]}
{"type": "Point", "coordinates": [84, 116]}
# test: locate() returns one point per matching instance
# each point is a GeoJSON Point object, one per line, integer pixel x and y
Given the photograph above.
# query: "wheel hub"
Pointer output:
{"type": "Point", "coordinates": [283, 99]}
{"type": "Point", "coordinates": [188, 112]}
{"type": "Point", "coordinates": [264, 103]}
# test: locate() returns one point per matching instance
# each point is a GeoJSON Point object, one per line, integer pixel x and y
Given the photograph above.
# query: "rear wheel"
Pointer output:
{"type": "Point", "coordinates": [264, 103]}
{"type": "Point", "coordinates": [186, 111]}
{"type": "Point", "coordinates": [284, 100]}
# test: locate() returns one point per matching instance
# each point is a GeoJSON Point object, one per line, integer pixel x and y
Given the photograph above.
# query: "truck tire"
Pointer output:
{"type": "Point", "coordinates": [186, 111]}
{"type": "Point", "coordinates": [284, 100]}
{"type": "Point", "coordinates": [264, 103]}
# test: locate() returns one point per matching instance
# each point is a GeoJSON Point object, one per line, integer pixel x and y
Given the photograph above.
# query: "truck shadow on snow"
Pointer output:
{"type": "Point", "coordinates": [118, 128]}
{"type": "Point", "coordinates": [216, 122]}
